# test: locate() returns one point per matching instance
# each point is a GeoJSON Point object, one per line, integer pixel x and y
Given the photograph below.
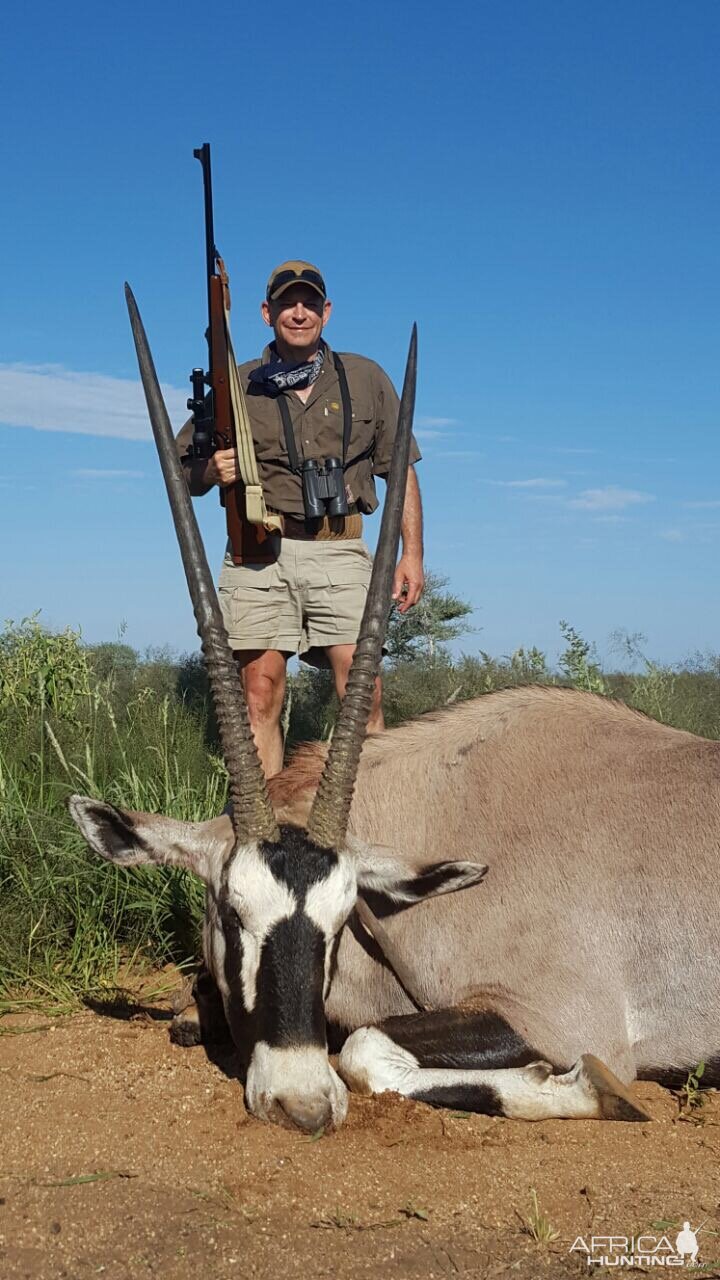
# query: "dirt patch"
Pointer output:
{"type": "Point", "coordinates": [124, 1156]}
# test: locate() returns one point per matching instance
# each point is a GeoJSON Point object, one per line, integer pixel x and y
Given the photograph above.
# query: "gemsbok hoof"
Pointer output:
{"type": "Point", "coordinates": [185, 1028]}
{"type": "Point", "coordinates": [615, 1102]}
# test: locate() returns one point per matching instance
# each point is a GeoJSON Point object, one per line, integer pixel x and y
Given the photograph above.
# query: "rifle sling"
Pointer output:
{"type": "Point", "coordinates": [257, 512]}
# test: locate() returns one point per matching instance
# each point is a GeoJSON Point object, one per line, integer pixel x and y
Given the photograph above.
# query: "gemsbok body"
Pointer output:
{"type": "Point", "coordinates": [593, 931]}
{"type": "Point", "coordinates": [354, 896]}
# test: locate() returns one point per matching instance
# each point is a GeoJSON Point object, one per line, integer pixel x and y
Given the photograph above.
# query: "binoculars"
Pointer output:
{"type": "Point", "coordinates": [323, 488]}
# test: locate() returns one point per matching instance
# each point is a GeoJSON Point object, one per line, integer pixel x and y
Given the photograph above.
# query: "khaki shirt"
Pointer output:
{"type": "Point", "coordinates": [318, 429]}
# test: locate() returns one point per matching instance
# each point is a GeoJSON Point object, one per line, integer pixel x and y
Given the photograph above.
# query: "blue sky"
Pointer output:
{"type": "Point", "coordinates": [535, 182]}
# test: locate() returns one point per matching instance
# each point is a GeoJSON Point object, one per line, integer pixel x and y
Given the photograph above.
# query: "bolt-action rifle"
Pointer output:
{"type": "Point", "coordinates": [213, 421]}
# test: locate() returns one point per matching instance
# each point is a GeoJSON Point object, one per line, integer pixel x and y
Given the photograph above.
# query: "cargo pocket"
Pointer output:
{"type": "Point", "coordinates": [348, 579]}
{"type": "Point", "coordinates": [251, 598]}
{"type": "Point", "coordinates": [349, 576]}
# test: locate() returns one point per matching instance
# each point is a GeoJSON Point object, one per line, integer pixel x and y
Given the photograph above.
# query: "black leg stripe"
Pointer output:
{"type": "Point", "coordinates": [463, 1097]}
{"type": "Point", "coordinates": [463, 1041]}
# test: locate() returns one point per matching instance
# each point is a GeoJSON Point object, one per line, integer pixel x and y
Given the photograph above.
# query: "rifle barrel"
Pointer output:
{"type": "Point", "coordinates": [203, 155]}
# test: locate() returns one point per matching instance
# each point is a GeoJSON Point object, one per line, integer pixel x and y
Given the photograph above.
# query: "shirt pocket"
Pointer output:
{"type": "Point", "coordinates": [363, 427]}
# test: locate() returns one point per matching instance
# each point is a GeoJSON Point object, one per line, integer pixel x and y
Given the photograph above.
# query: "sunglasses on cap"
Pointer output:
{"type": "Point", "coordinates": [295, 277]}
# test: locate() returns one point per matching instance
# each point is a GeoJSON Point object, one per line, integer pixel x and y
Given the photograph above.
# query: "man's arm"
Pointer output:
{"type": "Point", "coordinates": [203, 473]}
{"type": "Point", "coordinates": [409, 573]}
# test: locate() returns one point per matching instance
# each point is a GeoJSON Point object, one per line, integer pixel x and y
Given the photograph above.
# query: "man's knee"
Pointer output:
{"type": "Point", "coordinates": [264, 685]}
{"type": "Point", "coordinates": [264, 696]}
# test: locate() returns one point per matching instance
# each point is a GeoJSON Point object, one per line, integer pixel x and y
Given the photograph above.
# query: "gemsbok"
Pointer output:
{"type": "Point", "coordinates": [585, 959]}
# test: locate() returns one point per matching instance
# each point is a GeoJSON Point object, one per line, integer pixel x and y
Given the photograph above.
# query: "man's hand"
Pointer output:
{"type": "Point", "coordinates": [222, 468]}
{"type": "Point", "coordinates": [409, 578]}
{"type": "Point", "coordinates": [409, 581]}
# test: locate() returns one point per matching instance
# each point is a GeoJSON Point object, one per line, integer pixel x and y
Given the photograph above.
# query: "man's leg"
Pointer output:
{"type": "Point", "coordinates": [263, 677]}
{"type": "Point", "coordinates": [340, 657]}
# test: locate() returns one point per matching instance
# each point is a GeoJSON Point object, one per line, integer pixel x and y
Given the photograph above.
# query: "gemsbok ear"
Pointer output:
{"type": "Point", "coordinates": [130, 839]}
{"type": "Point", "coordinates": [381, 871]}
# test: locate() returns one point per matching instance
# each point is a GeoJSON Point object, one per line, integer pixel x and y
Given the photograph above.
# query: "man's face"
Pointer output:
{"type": "Point", "coordinates": [298, 318]}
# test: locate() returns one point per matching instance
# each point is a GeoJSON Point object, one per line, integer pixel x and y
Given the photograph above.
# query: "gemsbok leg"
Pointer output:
{"type": "Point", "coordinates": [478, 1062]}
{"type": "Point", "coordinates": [202, 1021]}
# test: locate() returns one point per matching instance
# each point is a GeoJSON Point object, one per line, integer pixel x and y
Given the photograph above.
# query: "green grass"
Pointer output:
{"type": "Point", "coordinates": [537, 1224]}
{"type": "Point", "coordinates": [69, 922]}
{"type": "Point", "coordinates": [138, 732]}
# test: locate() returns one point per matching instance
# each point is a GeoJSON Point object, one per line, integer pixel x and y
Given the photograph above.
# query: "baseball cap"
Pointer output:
{"type": "Point", "coordinates": [294, 272]}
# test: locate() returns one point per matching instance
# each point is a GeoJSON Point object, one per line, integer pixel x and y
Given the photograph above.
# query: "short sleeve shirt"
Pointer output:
{"type": "Point", "coordinates": [318, 430]}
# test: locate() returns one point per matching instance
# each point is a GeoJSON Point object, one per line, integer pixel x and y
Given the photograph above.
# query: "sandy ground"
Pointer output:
{"type": "Point", "coordinates": [123, 1156]}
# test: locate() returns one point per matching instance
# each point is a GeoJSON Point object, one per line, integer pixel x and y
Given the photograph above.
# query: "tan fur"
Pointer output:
{"type": "Point", "coordinates": [537, 726]}
{"type": "Point", "coordinates": [595, 927]}
{"type": "Point", "coordinates": [292, 791]}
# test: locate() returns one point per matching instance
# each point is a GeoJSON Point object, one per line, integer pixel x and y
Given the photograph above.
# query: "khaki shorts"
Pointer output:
{"type": "Point", "coordinates": [312, 596]}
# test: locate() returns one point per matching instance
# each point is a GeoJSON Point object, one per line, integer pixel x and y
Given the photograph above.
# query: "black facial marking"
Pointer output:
{"type": "Point", "coordinates": [121, 837]}
{"type": "Point", "coordinates": [463, 1097]}
{"type": "Point", "coordinates": [332, 967]}
{"type": "Point", "coordinates": [297, 861]}
{"type": "Point", "coordinates": [289, 1004]}
{"type": "Point", "coordinates": [241, 1022]}
{"type": "Point", "coordinates": [289, 1007]}
{"type": "Point", "coordinates": [466, 1041]}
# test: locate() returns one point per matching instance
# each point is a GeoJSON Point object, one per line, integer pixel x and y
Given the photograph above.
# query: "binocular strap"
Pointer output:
{"type": "Point", "coordinates": [295, 463]}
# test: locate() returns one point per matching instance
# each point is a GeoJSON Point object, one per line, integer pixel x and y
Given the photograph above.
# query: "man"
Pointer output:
{"type": "Point", "coordinates": [304, 591]}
